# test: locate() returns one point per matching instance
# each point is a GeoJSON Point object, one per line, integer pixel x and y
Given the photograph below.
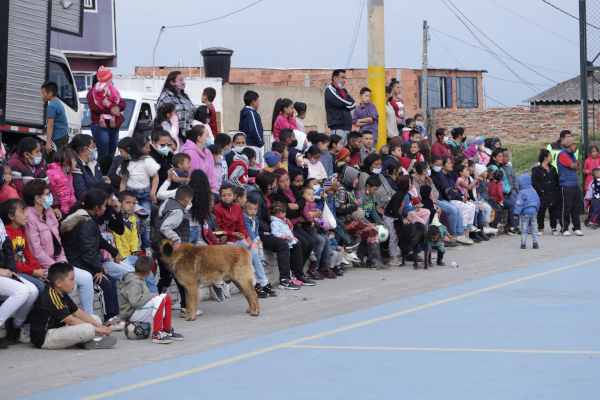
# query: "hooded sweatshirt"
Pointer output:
{"type": "Point", "coordinates": [238, 170]}
{"type": "Point", "coordinates": [344, 203]}
{"type": "Point", "coordinates": [63, 184]}
{"type": "Point", "coordinates": [133, 294]}
{"type": "Point", "coordinates": [24, 260]}
{"type": "Point", "coordinates": [528, 201]}
{"type": "Point", "coordinates": [251, 125]}
{"type": "Point", "coordinates": [201, 159]}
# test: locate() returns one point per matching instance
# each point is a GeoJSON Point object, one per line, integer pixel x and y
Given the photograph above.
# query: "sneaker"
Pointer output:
{"type": "Point", "coordinates": [12, 333]}
{"type": "Point", "coordinates": [523, 246]}
{"type": "Point", "coordinates": [450, 244]}
{"type": "Point", "coordinates": [554, 232]}
{"type": "Point", "coordinates": [198, 312]}
{"type": "Point", "coordinates": [226, 289]}
{"type": "Point", "coordinates": [327, 273]}
{"type": "Point", "coordinates": [217, 293]}
{"type": "Point", "coordinates": [345, 261]}
{"type": "Point", "coordinates": [463, 240]}
{"type": "Point", "coordinates": [540, 233]}
{"type": "Point", "coordinates": [535, 246]}
{"type": "Point", "coordinates": [176, 306]}
{"type": "Point", "coordinates": [578, 232]}
{"type": "Point", "coordinates": [288, 284]}
{"type": "Point", "coordinates": [312, 257]}
{"type": "Point", "coordinates": [513, 232]}
{"type": "Point", "coordinates": [352, 247]}
{"type": "Point", "coordinates": [174, 335]}
{"type": "Point", "coordinates": [114, 324]}
{"type": "Point", "coordinates": [269, 290]}
{"type": "Point", "coordinates": [566, 233]}
{"type": "Point", "coordinates": [296, 281]}
{"type": "Point", "coordinates": [475, 229]}
{"type": "Point", "coordinates": [490, 231]}
{"type": "Point", "coordinates": [395, 262]}
{"type": "Point", "coordinates": [105, 342]}
{"type": "Point", "coordinates": [260, 293]}
{"type": "Point", "coordinates": [338, 271]}
{"type": "Point", "coordinates": [352, 257]}
{"type": "Point", "coordinates": [161, 338]}
{"type": "Point", "coordinates": [314, 274]}
{"type": "Point", "coordinates": [305, 281]}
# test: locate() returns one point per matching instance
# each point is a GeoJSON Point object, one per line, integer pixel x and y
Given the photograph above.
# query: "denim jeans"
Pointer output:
{"type": "Point", "coordinates": [106, 140]}
{"type": "Point", "coordinates": [528, 223]}
{"type": "Point", "coordinates": [322, 248]}
{"type": "Point", "coordinates": [259, 269]}
{"type": "Point", "coordinates": [118, 270]}
{"type": "Point", "coordinates": [143, 200]}
{"type": "Point", "coordinates": [454, 216]}
{"type": "Point", "coordinates": [85, 282]}
{"type": "Point", "coordinates": [195, 235]}
{"type": "Point", "coordinates": [38, 284]}
{"type": "Point", "coordinates": [339, 230]}
{"type": "Point", "coordinates": [509, 204]}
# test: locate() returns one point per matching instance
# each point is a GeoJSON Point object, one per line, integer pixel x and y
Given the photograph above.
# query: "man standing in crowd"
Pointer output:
{"type": "Point", "coordinates": [338, 105]}
{"type": "Point", "coordinates": [568, 182]}
{"type": "Point", "coordinates": [556, 147]}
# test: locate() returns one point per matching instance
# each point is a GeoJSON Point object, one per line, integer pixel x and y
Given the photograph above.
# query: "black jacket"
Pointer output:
{"type": "Point", "coordinates": [115, 180]}
{"type": "Point", "coordinates": [291, 214]}
{"type": "Point", "coordinates": [7, 258]}
{"type": "Point", "coordinates": [338, 108]}
{"type": "Point", "coordinates": [165, 162]}
{"type": "Point", "coordinates": [116, 224]}
{"type": "Point", "coordinates": [264, 222]}
{"type": "Point", "coordinates": [80, 236]}
{"type": "Point", "coordinates": [545, 184]}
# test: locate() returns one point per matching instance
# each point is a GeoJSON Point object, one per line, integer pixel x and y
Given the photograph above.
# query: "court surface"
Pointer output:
{"type": "Point", "coordinates": [532, 333]}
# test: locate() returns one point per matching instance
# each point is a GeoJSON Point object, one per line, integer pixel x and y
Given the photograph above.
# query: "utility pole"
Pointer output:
{"type": "Point", "coordinates": [376, 71]}
{"type": "Point", "coordinates": [424, 85]}
{"type": "Point", "coordinates": [583, 64]}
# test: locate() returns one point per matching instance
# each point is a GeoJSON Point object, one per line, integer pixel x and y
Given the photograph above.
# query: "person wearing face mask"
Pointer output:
{"type": "Point", "coordinates": [338, 105]}
{"type": "Point", "coordinates": [80, 236]}
{"type": "Point", "coordinates": [373, 167]}
{"type": "Point", "coordinates": [26, 163]}
{"type": "Point", "coordinates": [201, 158]}
{"type": "Point", "coordinates": [44, 240]}
{"type": "Point", "coordinates": [160, 151]}
{"type": "Point", "coordinates": [87, 171]}
{"type": "Point", "coordinates": [60, 176]}
{"type": "Point", "coordinates": [174, 92]}
{"type": "Point", "coordinates": [459, 138]}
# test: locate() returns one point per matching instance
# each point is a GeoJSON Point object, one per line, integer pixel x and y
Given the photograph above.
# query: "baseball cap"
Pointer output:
{"type": "Point", "coordinates": [568, 142]}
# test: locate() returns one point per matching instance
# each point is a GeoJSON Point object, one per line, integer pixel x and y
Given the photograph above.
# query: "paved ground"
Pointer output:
{"type": "Point", "coordinates": [393, 333]}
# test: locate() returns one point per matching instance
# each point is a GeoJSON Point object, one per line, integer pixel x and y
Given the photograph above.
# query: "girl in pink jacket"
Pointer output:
{"type": "Point", "coordinates": [59, 174]}
{"type": "Point", "coordinates": [284, 116]}
{"type": "Point", "coordinates": [592, 162]}
{"type": "Point", "coordinates": [201, 158]}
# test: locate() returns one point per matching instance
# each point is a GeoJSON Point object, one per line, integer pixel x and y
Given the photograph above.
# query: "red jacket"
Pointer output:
{"type": "Point", "coordinates": [495, 190]}
{"type": "Point", "coordinates": [24, 260]}
{"type": "Point", "coordinates": [96, 111]}
{"type": "Point", "coordinates": [440, 149]}
{"type": "Point", "coordinates": [230, 220]}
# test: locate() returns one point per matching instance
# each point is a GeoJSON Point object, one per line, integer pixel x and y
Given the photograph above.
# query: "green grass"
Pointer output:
{"type": "Point", "coordinates": [524, 155]}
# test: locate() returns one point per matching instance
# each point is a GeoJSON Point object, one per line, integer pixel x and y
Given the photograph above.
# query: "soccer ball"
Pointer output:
{"type": "Point", "coordinates": [382, 233]}
{"type": "Point", "coordinates": [137, 330]}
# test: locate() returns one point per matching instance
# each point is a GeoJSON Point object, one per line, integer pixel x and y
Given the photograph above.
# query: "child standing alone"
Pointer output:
{"type": "Point", "coordinates": [56, 120]}
{"type": "Point", "coordinates": [528, 204]}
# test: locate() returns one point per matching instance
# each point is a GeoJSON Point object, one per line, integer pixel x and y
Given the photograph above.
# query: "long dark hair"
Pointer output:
{"type": "Point", "coordinates": [264, 179]}
{"type": "Point", "coordinates": [199, 184]}
{"type": "Point", "coordinates": [161, 115]}
{"type": "Point", "coordinates": [136, 153]}
{"type": "Point", "coordinates": [495, 153]}
{"type": "Point", "coordinates": [280, 104]}
{"type": "Point", "coordinates": [170, 87]}
{"type": "Point", "coordinates": [369, 160]}
{"type": "Point", "coordinates": [202, 114]}
{"type": "Point", "coordinates": [92, 199]}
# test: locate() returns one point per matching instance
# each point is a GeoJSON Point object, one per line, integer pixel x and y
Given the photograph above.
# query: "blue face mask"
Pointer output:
{"type": "Point", "coordinates": [376, 171]}
{"type": "Point", "coordinates": [429, 172]}
{"type": "Point", "coordinates": [227, 152]}
{"type": "Point", "coordinates": [238, 149]}
{"type": "Point", "coordinates": [419, 123]}
{"type": "Point", "coordinates": [209, 142]}
{"type": "Point", "coordinates": [129, 157]}
{"type": "Point", "coordinates": [48, 203]}
{"type": "Point", "coordinates": [437, 169]}
{"type": "Point", "coordinates": [68, 169]}
{"type": "Point", "coordinates": [163, 150]}
{"type": "Point", "coordinates": [316, 188]}
{"type": "Point", "coordinates": [36, 160]}
{"type": "Point", "coordinates": [94, 153]}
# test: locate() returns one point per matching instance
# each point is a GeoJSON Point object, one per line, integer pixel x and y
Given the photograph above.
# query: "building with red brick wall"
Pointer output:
{"type": "Point", "coordinates": [449, 89]}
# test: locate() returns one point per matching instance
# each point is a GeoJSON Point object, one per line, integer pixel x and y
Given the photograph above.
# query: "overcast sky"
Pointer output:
{"type": "Point", "coordinates": [319, 33]}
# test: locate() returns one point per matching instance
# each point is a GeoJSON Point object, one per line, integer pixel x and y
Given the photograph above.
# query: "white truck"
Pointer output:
{"type": "Point", "coordinates": [26, 62]}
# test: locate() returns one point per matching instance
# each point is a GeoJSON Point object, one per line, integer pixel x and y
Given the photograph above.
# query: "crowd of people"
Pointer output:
{"type": "Point", "coordinates": [319, 202]}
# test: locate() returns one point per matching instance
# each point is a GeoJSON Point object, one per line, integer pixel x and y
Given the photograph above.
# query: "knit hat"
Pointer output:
{"type": "Point", "coordinates": [471, 140]}
{"type": "Point", "coordinates": [272, 158]}
{"type": "Point", "coordinates": [479, 142]}
{"type": "Point", "coordinates": [480, 169]}
{"type": "Point", "coordinates": [104, 74]}
{"type": "Point", "coordinates": [342, 154]}
{"type": "Point", "coordinates": [470, 152]}
{"type": "Point", "coordinates": [327, 183]}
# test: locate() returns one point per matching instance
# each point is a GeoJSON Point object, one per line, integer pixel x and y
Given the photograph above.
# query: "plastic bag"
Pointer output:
{"type": "Point", "coordinates": [328, 217]}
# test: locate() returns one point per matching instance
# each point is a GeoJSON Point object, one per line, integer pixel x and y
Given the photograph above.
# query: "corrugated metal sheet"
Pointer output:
{"type": "Point", "coordinates": [67, 17]}
{"type": "Point", "coordinates": [27, 60]}
{"type": "Point", "coordinates": [568, 91]}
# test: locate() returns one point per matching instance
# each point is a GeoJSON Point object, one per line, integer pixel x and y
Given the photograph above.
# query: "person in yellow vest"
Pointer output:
{"type": "Point", "coordinates": [556, 147]}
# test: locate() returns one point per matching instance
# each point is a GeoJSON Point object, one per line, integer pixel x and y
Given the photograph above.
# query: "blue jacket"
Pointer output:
{"type": "Point", "coordinates": [84, 179]}
{"type": "Point", "coordinates": [338, 108]}
{"type": "Point", "coordinates": [528, 201]}
{"type": "Point", "coordinates": [327, 161]}
{"type": "Point", "coordinates": [567, 177]}
{"type": "Point", "coordinates": [251, 125]}
{"type": "Point", "coordinates": [253, 232]}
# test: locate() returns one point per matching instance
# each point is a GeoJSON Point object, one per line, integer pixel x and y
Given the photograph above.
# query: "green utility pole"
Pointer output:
{"type": "Point", "coordinates": [583, 78]}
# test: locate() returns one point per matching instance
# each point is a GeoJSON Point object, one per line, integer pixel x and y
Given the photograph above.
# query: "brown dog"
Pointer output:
{"type": "Point", "coordinates": [193, 265]}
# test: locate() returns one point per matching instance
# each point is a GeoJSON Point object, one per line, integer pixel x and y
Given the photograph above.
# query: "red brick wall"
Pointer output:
{"type": "Point", "coordinates": [512, 123]}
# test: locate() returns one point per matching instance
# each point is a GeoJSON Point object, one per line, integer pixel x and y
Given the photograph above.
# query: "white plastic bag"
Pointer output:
{"type": "Point", "coordinates": [328, 217]}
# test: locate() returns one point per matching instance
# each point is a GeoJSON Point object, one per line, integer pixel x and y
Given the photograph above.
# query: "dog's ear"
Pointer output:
{"type": "Point", "coordinates": [156, 246]}
{"type": "Point", "coordinates": [167, 249]}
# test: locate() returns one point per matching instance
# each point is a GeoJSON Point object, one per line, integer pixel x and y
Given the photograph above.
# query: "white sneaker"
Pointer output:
{"type": "Point", "coordinates": [198, 312]}
{"type": "Point", "coordinates": [115, 325]}
{"type": "Point", "coordinates": [475, 229]}
{"type": "Point", "coordinates": [464, 240]}
{"type": "Point", "coordinates": [226, 289]}
{"type": "Point", "coordinates": [352, 257]}
{"type": "Point", "coordinates": [490, 231]}
{"type": "Point", "coordinates": [540, 233]}
{"type": "Point", "coordinates": [148, 251]}
{"type": "Point", "coordinates": [566, 233]}
{"type": "Point", "coordinates": [394, 263]}
{"type": "Point", "coordinates": [578, 232]}
{"type": "Point", "coordinates": [345, 261]}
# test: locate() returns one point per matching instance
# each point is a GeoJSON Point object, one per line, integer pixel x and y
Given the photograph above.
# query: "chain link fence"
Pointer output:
{"type": "Point", "coordinates": [593, 58]}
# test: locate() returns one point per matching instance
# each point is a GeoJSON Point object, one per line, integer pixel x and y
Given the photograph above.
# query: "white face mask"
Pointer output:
{"type": "Point", "coordinates": [188, 207]}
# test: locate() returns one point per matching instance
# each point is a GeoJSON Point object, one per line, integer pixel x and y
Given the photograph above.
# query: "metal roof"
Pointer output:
{"type": "Point", "coordinates": [568, 91]}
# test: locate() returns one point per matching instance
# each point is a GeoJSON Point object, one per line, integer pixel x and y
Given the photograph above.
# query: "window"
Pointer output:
{"type": "Point", "coordinates": [466, 93]}
{"type": "Point", "coordinates": [60, 74]}
{"type": "Point", "coordinates": [86, 119]}
{"type": "Point", "coordinates": [439, 92]}
{"type": "Point", "coordinates": [89, 4]}
{"type": "Point", "coordinates": [145, 112]}
{"type": "Point", "coordinates": [83, 82]}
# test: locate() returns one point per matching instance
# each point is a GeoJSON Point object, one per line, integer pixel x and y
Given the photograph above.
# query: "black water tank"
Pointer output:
{"type": "Point", "coordinates": [217, 62]}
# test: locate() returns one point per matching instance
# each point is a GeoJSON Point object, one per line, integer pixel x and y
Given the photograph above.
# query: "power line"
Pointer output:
{"type": "Point", "coordinates": [448, 51]}
{"type": "Point", "coordinates": [213, 19]}
{"type": "Point", "coordinates": [570, 15]}
{"type": "Point", "coordinates": [508, 80]}
{"type": "Point", "coordinates": [508, 10]}
{"type": "Point", "coordinates": [498, 46]}
{"type": "Point", "coordinates": [487, 48]}
{"type": "Point", "coordinates": [356, 31]}
{"type": "Point", "coordinates": [494, 100]}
